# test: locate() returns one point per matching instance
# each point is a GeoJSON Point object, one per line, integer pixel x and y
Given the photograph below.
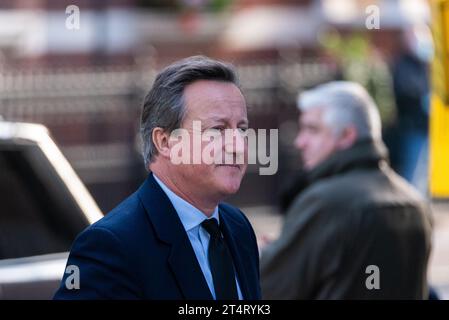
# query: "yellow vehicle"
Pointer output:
{"type": "Point", "coordinates": [439, 119]}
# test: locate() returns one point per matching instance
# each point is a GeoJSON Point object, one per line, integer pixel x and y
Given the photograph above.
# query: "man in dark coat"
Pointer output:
{"type": "Point", "coordinates": [174, 238]}
{"type": "Point", "coordinates": [357, 230]}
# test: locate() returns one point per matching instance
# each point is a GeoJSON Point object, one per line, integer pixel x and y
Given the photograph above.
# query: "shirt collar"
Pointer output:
{"type": "Point", "coordinates": [190, 216]}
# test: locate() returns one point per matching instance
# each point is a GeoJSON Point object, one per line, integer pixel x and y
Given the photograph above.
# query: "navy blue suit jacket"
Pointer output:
{"type": "Point", "coordinates": [140, 250]}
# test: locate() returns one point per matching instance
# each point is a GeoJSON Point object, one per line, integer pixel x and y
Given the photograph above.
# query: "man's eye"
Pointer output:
{"type": "Point", "coordinates": [216, 130]}
{"type": "Point", "coordinates": [243, 130]}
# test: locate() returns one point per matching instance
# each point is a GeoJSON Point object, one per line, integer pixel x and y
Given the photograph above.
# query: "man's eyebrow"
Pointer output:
{"type": "Point", "coordinates": [213, 120]}
{"type": "Point", "coordinates": [216, 118]}
{"type": "Point", "coordinates": [308, 125]}
{"type": "Point", "coordinates": [223, 120]}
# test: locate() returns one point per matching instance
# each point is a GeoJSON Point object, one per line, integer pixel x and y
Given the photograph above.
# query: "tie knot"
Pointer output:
{"type": "Point", "coordinates": [211, 226]}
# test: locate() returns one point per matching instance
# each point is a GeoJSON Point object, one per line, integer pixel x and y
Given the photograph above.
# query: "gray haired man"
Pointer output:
{"type": "Point", "coordinates": [357, 230]}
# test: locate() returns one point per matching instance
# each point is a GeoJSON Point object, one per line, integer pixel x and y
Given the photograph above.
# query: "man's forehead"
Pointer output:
{"type": "Point", "coordinates": [215, 99]}
{"type": "Point", "coordinates": [207, 89]}
{"type": "Point", "coordinates": [311, 115]}
{"type": "Point", "coordinates": [216, 107]}
{"type": "Point", "coordinates": [208, 119]}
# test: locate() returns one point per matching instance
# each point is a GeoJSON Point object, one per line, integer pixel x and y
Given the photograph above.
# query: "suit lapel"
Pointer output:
{"type": "Point", "coordinates": [238, 251]}
{"type": "Point", "coordinates": [183, 262]}
{"type": "Point", "coordinates": [169, 229]}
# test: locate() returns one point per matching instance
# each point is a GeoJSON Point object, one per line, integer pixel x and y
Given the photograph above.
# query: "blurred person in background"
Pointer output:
{"type": "Point", "coordinates": [354, 213]}
{"type": "Point", "coordinates": [409, 148]}
{"type": "Point", "coordinates": [173, 238]}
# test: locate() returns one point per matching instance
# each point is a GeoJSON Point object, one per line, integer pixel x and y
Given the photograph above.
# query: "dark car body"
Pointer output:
{"type": "Point", "coordinates": [43, 206]}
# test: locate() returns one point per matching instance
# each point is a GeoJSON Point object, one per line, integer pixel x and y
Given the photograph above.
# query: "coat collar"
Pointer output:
{"type": "Point", "coordinates": [169, 229]}
{"type": "Point", "coordinates": [364, 153]}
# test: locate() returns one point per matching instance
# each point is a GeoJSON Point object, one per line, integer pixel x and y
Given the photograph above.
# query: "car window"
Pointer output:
{"type": "Point", "coordinates": [31, 221]}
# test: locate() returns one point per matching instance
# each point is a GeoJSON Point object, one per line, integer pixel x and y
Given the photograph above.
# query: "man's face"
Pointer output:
{"type": "Point", "coordinates": [218, 106]}
{"type": "Point", "coordinates": [315, 139]}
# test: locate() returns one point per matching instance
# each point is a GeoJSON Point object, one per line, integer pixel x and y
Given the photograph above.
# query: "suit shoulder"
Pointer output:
{"type": "Point", "coordinates": [233, 212]}
{"type": "Point", "coordinates": [123, 218]}
{"type": "Point", "coordinates": [236, 217]}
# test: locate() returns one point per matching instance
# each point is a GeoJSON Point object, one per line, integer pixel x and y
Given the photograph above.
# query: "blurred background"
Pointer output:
{"type": "Point", "coordinates": [82, 72]}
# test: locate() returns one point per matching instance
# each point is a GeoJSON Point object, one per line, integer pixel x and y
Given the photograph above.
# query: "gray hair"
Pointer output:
{"type": "Point", "coordinates": [345, 103]}
{"type": "Point", "coordinates": [164, 106]}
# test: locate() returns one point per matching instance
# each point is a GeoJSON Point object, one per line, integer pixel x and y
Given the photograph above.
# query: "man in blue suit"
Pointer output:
{"type": "Point", "coordinates": [173, 238]}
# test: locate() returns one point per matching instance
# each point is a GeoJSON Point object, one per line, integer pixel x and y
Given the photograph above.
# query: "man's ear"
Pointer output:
{"type": "Point", "coordinates": [348, 137]}
{"type": "Point", "coordinates": [160, 140]}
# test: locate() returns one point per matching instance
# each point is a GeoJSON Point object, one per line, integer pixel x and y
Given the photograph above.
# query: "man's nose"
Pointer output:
{"type": "Point", "coordinates": [237, 144]}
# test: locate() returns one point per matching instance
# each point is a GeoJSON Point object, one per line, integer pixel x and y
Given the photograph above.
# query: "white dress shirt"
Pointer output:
{"type": "Point", "coordinates": [191, 218]}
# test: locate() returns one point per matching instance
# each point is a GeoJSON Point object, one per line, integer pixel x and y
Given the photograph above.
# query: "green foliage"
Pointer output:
{"type": "Point", "coordinates": [360, 62]}
{"type": "Point", "coordinates": [219, 5]}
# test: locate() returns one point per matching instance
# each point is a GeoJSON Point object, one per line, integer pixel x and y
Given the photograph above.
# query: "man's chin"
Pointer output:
{"type": "Point", "coordinates": [308, 165]}
{"type": "Point", "coordinates": [230, 187]}
{"type": "Point", "coordinates": [229, 179]}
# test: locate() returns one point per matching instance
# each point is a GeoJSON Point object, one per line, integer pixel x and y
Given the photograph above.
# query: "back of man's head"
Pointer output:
{"type": "Point", "coordinates": [344, 104]}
